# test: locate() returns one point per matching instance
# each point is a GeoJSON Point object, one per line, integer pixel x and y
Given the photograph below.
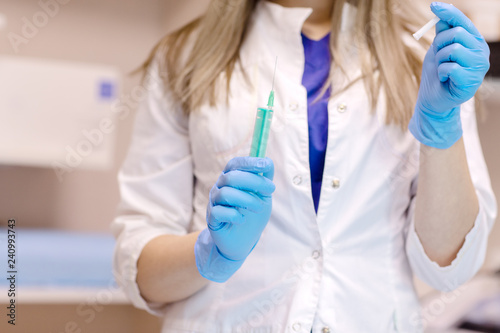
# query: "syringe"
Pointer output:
{"type": "Point", "coordinates": [263, 124]}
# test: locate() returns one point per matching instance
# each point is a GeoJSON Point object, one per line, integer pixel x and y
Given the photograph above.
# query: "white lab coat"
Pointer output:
{"type": "Point", "coordinates": [347, 269]}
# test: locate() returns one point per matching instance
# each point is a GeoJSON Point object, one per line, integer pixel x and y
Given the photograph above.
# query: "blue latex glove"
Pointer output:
{"type": "Point", "coordinates": [453, 69]}
{"type": "Point", "coordinates": [238, 210]}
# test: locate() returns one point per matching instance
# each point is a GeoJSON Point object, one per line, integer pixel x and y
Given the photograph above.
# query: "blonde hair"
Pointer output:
{"type": "Point", "coordinates": [386, 62]}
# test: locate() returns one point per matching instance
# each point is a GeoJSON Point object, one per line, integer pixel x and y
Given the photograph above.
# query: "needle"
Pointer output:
{"type": "Point", "coordinates": [270, 101]}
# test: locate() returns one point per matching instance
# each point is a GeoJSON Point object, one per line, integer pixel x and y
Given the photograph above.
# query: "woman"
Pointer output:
{"type": "Point", "coordinates": [324, 234]}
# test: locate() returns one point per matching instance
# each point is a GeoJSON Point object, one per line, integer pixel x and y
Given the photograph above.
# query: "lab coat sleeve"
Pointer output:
{"type": "Point", "coordinates": [155, 182]}
{"type": "Point", "coordinates": [472, 253]}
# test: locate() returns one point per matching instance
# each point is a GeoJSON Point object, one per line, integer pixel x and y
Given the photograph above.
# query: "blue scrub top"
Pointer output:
{"type": "Point", "coordinates": [316, 71]}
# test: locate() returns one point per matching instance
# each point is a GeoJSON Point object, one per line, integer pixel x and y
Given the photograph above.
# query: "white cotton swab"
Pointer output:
{"type": "Point", "coordinates": [417, 35]}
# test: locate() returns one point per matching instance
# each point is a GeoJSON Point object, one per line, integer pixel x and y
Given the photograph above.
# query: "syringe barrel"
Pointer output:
{"type": "Point", "coordinates": [261, 132]}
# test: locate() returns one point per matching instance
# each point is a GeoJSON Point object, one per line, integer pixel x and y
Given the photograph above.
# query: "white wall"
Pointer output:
{"type": "Point", "coordinates": [484, 13]}
{"type": "Point", "coordinates": [116, 32]}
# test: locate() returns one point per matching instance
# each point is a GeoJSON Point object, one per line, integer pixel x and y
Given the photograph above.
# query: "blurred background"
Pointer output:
{"type": "Point", "coordinates": [67, 103]}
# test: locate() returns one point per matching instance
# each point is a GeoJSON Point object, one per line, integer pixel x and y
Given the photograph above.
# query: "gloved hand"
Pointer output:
{"type": "Point", "coordinates": [454, 68]}
{"type": "Point", "coordinates": [238, 210]}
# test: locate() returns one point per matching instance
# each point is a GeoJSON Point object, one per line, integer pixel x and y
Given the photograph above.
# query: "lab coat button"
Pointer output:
{"type": "Point", "coordinates": [293, 106]}
{"type": "Point", "coordinates": [297, 180]}
{"type": "Point", "coordinates": [336, 183]}
{"type": "Point", "coordinates": [316, 254]}
{"type": "Point", "coordinates": [296, 327]}
{"type": "Point", "coordinates": [341, 108]}
{"type": "Point", "coordinates": [325, 330]}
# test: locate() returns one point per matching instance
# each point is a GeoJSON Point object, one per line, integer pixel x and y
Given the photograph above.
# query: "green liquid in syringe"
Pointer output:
{"type": "Point", "coordinates": [261, 132]}
{"type": "Point", "coordinates": [263, 124]}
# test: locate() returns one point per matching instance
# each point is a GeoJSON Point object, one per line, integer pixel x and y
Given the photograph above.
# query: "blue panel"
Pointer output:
{"type": "Point", "coordinates": [106, 90]}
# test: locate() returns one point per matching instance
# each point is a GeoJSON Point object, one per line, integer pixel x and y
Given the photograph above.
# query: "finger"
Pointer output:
{"type": "Point", "coordinates": [219, 215]}
{"type": "Point", "coordinates": [454, 35]}
{"type": "Point", "coordinates": [453, 72]}
{"type": "Point", "coordinates": [231, 197]}
{"type": "Point", "coordinates": [454, 17]}
{"type": "Point", "coordinates": [246, 181]}
{"type": "Point", "coordinates": [459, 54]}
{"type": "Point", "coordinates": [249, 164]}
{"type": "Point", "coordinates": [269, 174]}
{"type": "Point", "coordinates": [442, 26]}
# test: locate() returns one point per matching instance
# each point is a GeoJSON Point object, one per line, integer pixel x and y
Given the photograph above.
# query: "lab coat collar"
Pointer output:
{"type": "Point", "coordinates": [283, 22]}
{"type": "Point", "coordinates": [292, 19]}
{"type": "Point", "coordinates": [275, 30]}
